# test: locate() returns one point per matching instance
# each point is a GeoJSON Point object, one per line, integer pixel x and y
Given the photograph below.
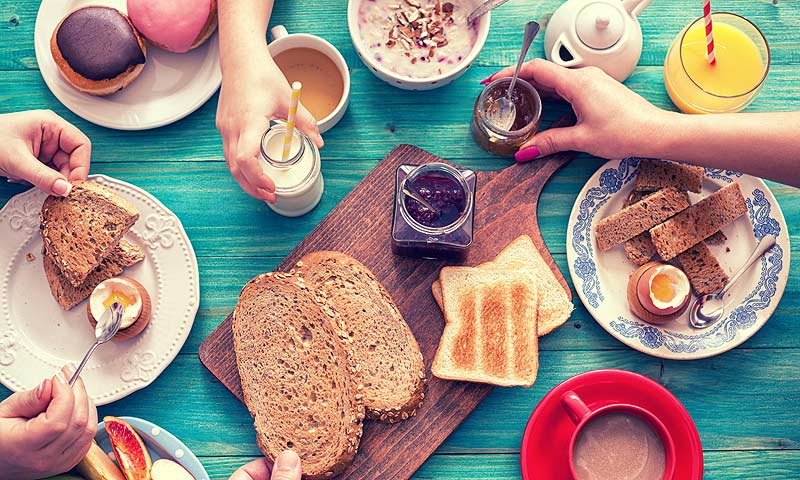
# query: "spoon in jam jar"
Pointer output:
{"type": "Point", "coordinates": [419, 199]}
{"type": "Point", "coordinates": [503, 112]}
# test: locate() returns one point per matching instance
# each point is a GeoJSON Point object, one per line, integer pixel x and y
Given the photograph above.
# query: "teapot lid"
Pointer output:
{"type": "Point", "coordinates": [600, 25]}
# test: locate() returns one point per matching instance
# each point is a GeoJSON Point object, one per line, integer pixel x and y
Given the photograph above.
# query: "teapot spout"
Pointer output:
{"type": "Point", "coordinates": [635, 7]}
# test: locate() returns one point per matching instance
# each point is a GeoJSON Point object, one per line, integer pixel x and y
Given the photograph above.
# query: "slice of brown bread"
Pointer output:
{"type": "Point", "coordinates": [699, 221]}
{"type": "Point", "coordinates": [124, 255]}
{"type": "Point", "coordinates": [382, 344]}
{"type": "Point", "coordinates": [490, 333]}
{"type": "Point", "coordinates": [704, 271]}
{"type": "Point", "coordinates": [639, 217]}
{"type": "Point", "coordinates": [654, 175]}
{"type": "Point", "coordinates": [81, 229]}
{"type": "Point", "coordinates": [639, 249]}
{"type": "Point", "coordinates": [299, 380]}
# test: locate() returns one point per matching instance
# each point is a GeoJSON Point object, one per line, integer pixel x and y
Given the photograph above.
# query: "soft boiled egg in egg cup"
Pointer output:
{"type": "Point", "coordinates": [134, 299]}
{"type": "Point", "coordinates": [658, 292]}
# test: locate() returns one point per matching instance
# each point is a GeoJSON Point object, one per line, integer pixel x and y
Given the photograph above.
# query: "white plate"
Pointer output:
{"type": "Point", "coordinates": [171, 86]}
{"type": "Point", "coordinates": [37, 337]}
{"type": "Point", "coordinates": [601, 278]}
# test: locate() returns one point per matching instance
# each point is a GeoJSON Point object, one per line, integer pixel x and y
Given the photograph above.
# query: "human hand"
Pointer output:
{"type": "Point", "coordinates": [251, 96]}
{"type": "Point", "coordinates": [46, 431]}
{"type": "Point", "coordinates": [286, 467]}
{"type": "Point", "coordinates": [42, 148]}
{"type": "Point", "coordinates": [613, 121]}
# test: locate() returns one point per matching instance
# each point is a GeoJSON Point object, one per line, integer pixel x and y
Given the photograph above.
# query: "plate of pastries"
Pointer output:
{"type": "Point", "coordinates": [129, 64]}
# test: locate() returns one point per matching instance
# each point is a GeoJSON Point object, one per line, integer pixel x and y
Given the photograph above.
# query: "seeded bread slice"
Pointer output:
{"type": "Point", "coordinates": [704, 271]}
{"type": "Point", "coordinates": [699, 221]}
{"type": "Point", "coordinates": [652, 175]}
{"type": "Point", "coordinates": [639, 217]}
{"type": "Point", "coordinates": [124, 255]}
{"type": "Point", "coordinates": [382, 343]}
{"type": "Point", "coordinates": [299, 380]}
{"type": "Point", "coordinates": [81, 229]}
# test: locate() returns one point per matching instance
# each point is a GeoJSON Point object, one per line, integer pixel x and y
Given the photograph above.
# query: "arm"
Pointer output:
{"type": "Point", "coordinates": [254, 91]}
{"type": "Point", "coordinates": [762, 144]}
{"type": "Point", "coordinates": [615, 122]}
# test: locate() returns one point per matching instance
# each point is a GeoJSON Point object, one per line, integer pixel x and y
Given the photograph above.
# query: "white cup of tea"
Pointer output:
{"type": "Point", "coordinates": [618, 438]}
{"type": "Point", "coordinates": [318, 65]}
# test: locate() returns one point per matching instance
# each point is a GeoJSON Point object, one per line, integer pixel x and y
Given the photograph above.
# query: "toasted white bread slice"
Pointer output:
{"type": "Point", "coordinates": [382, 344]}
{"type": "Point", "coordinates": [521, 254]}
{"type": "Point", "coordinates": [490, 334]}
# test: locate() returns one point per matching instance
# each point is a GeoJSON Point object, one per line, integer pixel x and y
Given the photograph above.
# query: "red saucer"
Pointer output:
{"type": "Point", "coordinates": [544, 454]}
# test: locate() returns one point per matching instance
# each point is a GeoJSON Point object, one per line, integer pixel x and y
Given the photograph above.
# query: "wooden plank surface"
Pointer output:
{"type": "Point", "coordinates": [505, 208]}
{"type": "Point", "coordinates": [742, 401]}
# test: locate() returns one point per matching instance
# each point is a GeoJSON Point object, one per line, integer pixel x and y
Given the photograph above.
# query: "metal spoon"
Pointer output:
{"type": "Point", "coordinates": [709, 308]}
{"type": "Point", "coordinates": [502, 113]}
{"type": "Point", "coordinates": [482, 9]}
{"type": "Point", "coordinates": [106, 328]}
{"type": "Point", "coordinates": [419, 198]}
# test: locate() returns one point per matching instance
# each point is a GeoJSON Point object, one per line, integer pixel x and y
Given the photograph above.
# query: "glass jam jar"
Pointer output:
{"type": "Point", "coordinates": [528, 105]}
{"type": "Point", "coordinates": [298, 179]}
{"type": "Point", "coordinates": [420, 232]}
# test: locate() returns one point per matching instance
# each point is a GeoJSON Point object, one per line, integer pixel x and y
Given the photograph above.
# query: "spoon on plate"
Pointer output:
{"type": "Point", "coordinates": [503, 112]}
{"type": "Point", "coordinates": [482, 9]}
{"type": "Point", "coordinates": [106, 328]}
{"type": "Point", "coordinates": [419, 199]}
{"type": "Point", "coordinates": [710, 307]}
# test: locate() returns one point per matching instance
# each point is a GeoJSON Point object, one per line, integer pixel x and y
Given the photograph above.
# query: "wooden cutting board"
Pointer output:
{"type": "Point", "coordinates": [361, 226]}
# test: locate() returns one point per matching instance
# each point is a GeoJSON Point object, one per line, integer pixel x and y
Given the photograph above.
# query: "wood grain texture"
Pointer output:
{"type": "Point", "coordinates": [505, 207]}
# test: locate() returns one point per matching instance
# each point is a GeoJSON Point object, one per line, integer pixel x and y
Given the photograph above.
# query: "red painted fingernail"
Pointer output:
{"type": "Point", "coordinates": [527, 154]}
{"type": "Point", "coordinates": [487, 79]}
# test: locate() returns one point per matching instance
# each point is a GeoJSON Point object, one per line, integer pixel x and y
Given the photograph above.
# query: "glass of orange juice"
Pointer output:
{"type": "Point", "coordinates": [729, 84]}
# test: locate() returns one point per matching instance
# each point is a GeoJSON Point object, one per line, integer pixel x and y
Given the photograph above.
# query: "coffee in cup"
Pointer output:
{"type": "Point", "coordinates": [321, 69]}
{"type": "Point", "coordinates": [618, 442]}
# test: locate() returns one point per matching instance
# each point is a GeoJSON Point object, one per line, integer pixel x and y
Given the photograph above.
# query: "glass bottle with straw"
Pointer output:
{"type": "Point", "coordinates": [717, 64]}
{"type": "Point", "coordinates": [292, 161]}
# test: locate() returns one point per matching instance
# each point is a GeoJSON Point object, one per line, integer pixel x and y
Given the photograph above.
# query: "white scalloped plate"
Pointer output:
{"type": "Point", "coordinates": [37, 337]}
{"type": "Point", "coordinates": [601, 278]}
{"type": "Point", "coordinates": [171, 86]}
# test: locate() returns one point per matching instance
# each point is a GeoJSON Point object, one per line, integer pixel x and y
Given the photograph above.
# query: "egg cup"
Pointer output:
{"type": "Point", "coordinates": [141, 321]}
{"type": "Point", "coordinates": [636, 305]}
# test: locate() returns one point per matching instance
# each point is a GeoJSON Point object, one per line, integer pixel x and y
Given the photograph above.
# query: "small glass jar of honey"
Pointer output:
{"type": "Point", "coordinates": [495, 139]}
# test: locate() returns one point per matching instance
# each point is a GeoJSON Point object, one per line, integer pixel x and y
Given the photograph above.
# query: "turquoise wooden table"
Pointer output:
{"type": "Point", "coordinates": [744, 402]}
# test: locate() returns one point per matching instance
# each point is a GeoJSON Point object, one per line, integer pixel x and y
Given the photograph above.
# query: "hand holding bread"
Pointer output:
{"type": "Point", "coordinates": [41, 148]}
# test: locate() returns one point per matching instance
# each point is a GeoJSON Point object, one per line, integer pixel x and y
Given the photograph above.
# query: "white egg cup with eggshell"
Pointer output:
{"type": "Point", "coordinates": [410, 83]}
{"type": "Point", "coordinates": [282, 40]}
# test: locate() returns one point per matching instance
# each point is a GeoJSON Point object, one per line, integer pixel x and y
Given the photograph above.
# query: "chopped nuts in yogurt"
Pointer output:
{"type": "Point", "coordinates": [418, 38]}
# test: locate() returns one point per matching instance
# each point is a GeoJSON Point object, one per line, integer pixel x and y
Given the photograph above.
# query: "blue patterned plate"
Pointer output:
{"type": "Point", "coordinates": [160, 444]}
{"type": "Point", "coordinates": [601, 278]}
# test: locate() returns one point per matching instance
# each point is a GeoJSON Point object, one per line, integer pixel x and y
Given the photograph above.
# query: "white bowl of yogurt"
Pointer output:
{"type": "Point", "coordinates": [416, 44]}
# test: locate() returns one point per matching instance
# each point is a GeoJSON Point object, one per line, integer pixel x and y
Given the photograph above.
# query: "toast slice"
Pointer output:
{"type": "Point", "coordinates": [639, 217]}
{"type": "Point", "coordinates": [639, 249]}
{"type": "Point", "coordinates": [490, 335]}
{"type": "Point", "coordinates": [299, 381]}
{"type": "Point", "coordinates": [521, 254]}
{"type": "Point", "coordinates": [81, 229]}
{"type": "Point", "coordinates": [652, 175]}
{"type": "Point", "coordinates": [704, 271]}
{"type": "Point", "coordinates": [698, 222]}
{"type": "Point", "coordinates": [382, 344]}
{"type": "Point", "coordinates": [124, 255]}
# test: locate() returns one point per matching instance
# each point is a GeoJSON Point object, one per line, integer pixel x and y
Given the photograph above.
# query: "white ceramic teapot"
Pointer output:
{"type": "Point", "coordinates": [600, 33]}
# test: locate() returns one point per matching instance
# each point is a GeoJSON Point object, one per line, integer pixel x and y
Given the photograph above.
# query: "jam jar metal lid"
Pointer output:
{"type": "Point", "coordinates": [435, 168]}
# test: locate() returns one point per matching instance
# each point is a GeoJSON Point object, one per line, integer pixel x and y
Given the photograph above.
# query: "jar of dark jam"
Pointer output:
{"type": "Point", "coordinates": [528, 105]}
{"type": "Point", "coordinates": [446, 233]}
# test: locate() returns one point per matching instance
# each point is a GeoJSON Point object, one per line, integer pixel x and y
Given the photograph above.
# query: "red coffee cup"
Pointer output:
{"type": "Point", "coordinates": [581, 415]}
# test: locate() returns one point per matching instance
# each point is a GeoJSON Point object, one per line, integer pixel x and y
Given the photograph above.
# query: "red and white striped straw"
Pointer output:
{"type": "Point", "coordinates": [709, 32]}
